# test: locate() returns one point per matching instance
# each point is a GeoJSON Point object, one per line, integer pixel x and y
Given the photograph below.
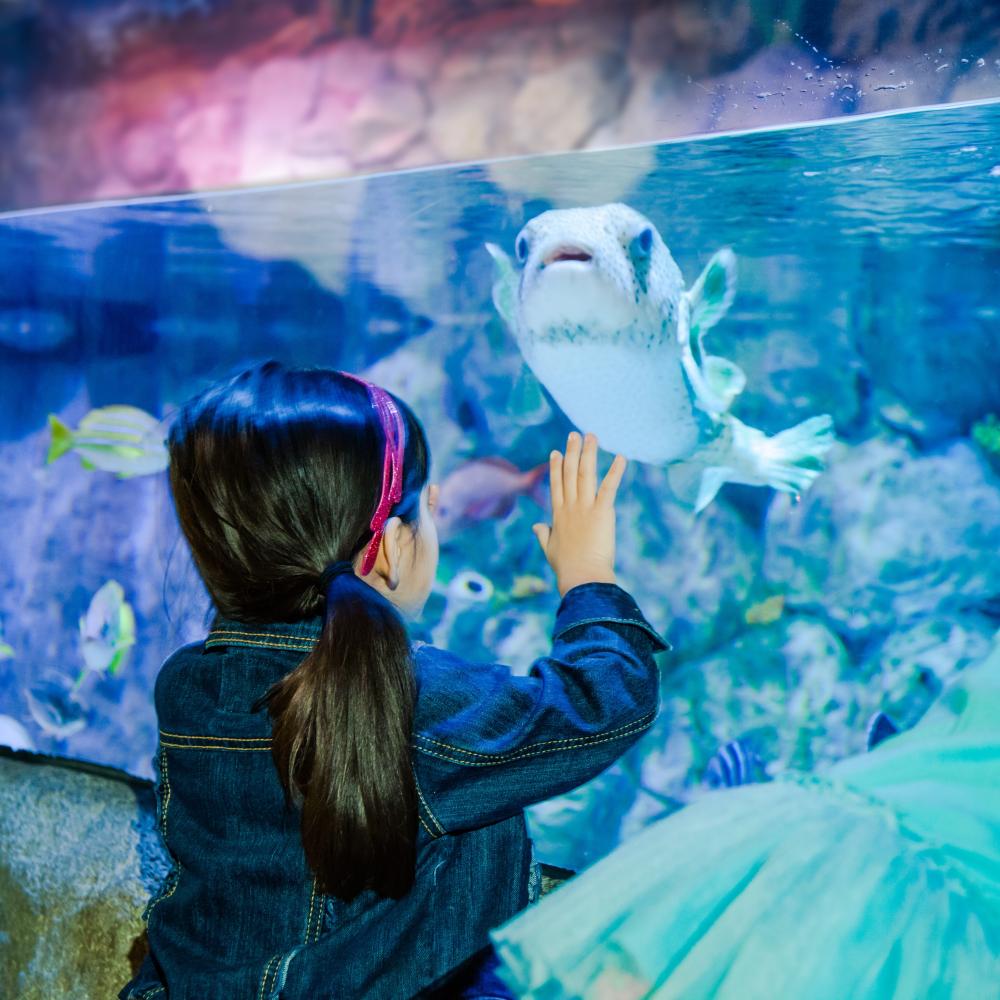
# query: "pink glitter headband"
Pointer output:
{"type": "Point", "coordinates": [392, 461]}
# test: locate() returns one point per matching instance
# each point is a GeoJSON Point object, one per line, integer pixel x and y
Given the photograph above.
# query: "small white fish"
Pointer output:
{"type": "Point", "coordinates": [599, 311]}
{"type": "Point", "coordinates": [14, 735]}
{"type": "Point", "coordinates": [120, 439]}
{"type": "Point", "coordinates": [55, 706]}
{"type": "Point", "coordinates": [107, 630]}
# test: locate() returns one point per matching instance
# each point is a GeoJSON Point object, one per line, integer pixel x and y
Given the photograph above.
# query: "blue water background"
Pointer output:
{"type": "Point", "coordinates": [869, 288]}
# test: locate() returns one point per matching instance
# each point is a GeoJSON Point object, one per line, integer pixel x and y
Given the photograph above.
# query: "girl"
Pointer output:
{"type": "Point", "coordinates": [344, 810]}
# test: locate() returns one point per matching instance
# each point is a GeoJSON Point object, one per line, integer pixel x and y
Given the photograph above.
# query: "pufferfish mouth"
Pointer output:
{"type": "Point", "coordinates": [564, 253]}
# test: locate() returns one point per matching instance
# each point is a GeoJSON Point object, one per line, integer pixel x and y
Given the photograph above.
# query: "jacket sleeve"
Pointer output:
{"type": "Point", "coordinates": [489, 742]}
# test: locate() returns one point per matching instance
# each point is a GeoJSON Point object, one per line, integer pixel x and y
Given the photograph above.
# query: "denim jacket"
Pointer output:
{"type": "Point", "coordinates": [239, 916]}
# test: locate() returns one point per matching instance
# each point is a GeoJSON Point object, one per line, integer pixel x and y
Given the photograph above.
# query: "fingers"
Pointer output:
{"type": "Point", "coordinates": [556, 478]}
{"type": "Point", "coordinates": [571, 466]}
{"type": "Point", "coordinates": [609, 487]}
{"type": "Point", "coordinates": [587, 481]}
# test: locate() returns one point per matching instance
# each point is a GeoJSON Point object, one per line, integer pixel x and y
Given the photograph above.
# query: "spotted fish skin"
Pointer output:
{"type": "Point", "coordinates": [599, 311]}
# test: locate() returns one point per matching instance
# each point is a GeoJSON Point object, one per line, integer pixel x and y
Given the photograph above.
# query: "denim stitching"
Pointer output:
{"type": "Point", "coordinates": [209, 746]}
{"type": "Point", "coordinates": [151, 992]}
{"type": "Point", "coordinates": [534, 753]}
{"type": "Point", "coordinates": [520, 751]}
{"type": "Point", "coordinates": [266, 645]}
{"type": "Point", "coordinates": [261, 635]}
{"type": "Point", "coordinates": [620, 621]}
{"type": "Point", "coordinates": [427, 808]}
{"type": "Point", "coordinates": [232, 739]}
{"type": "Point", "coordinates": [174, 875]}
{"type": "Point", "coordinates": [309, 919]}
{"type": "Point", "coordinates": [266, 976]}
{"type": "Point", "coordinates": [434, 836]}
{"type": "Point", "coordinates": [165, 778]}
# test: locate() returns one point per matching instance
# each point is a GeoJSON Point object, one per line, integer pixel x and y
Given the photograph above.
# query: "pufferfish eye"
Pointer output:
{"type": "Point", "coordinates": [642, 243]}
{"type": "Point", "coordinates": [521, 248]}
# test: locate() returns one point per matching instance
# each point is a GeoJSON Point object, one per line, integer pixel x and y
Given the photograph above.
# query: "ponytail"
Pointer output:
{"type": "Point", "coordinates": [274, 473]}
{"type": "Point", "coordinates": [342, 725]}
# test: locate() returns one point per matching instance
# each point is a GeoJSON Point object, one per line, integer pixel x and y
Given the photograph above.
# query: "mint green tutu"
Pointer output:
{"type": "Point", "coordinates": [878, 878]}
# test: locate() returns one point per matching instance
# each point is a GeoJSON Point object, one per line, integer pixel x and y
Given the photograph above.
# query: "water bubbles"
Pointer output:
{"type": "Point", "coordinates": [941, 67]}
{"type": "Point", "coordinates": [980, 62]}
{"type": "Point", "coordinates": [995, 172]}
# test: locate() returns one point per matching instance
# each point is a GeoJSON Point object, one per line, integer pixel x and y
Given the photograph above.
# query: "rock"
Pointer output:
{"type": "Point", "coordinates": [385, 122]}
{"type": "Point", "coordinates": [913, 665]}
{"type": "Point", "coordinates": [146, 154]}
{"type": "Point", "coordinates": [581, 827]}
{"type": "Point", "coordinates": [778, 85]}
{"type": "Point", "coordinates": [943, 382]}
{"type": "Point", "coordinates": [80, 856]}
{"type": "Point", "coordinates": [787, 688]}
{"type": "Point", "coordinates": [281, 96]}
{"type": "Point", "coordinates": [558, 109]}
{"type": "Point", "coordinates": [886, 536]}
{"type": "Point", "coordinates": [208, 146]}
{"type": "Point", "coordinates": [420, 63]}
{"type": "Point", "coordinates": [692, 37]}
{"type": "Point", "coordinates": [353, 66]}
{"type": "Point", "coordinates": [693, 577]}
{"type": "Point", "coordinates": [857, 29]}
{"type": "Point", "coordinates": [658, 106]}
{"type": "Point", "coordinates": [469, 118]}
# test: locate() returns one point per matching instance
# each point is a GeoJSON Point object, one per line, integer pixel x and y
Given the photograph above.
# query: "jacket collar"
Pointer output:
{"type": "Point", "coordinates": [296, 636]}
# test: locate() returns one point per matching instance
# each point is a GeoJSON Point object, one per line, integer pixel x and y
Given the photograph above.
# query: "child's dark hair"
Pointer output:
{"type": "Point", "coordinates": [276, 474]}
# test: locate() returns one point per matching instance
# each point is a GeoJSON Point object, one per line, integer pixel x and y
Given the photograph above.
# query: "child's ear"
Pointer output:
{"type": "Point", "coordinates": [392, 548]}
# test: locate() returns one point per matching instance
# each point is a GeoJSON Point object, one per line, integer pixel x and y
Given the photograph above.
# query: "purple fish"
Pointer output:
{"type": "Point", "coordinates": [485, 488]}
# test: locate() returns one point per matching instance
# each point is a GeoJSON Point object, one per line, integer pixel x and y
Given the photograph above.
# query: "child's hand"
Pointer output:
{"type": "Point", "coordinates": [580, 544]}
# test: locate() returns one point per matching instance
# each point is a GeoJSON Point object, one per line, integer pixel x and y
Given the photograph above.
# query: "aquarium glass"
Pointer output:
{"type": "Point", "coordinates": [868, 288]}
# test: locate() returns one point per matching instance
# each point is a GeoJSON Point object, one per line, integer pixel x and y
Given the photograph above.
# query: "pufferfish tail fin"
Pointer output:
{"type": "Point", "coordinates": [788, 461]}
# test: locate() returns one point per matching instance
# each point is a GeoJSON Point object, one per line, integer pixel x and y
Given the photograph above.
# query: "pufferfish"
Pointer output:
{"type": "Point", "coordinates": [598, 308]}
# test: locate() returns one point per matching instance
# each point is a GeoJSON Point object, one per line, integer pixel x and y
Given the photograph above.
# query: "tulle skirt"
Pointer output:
{"type": "Point", "coordinates": [879, 878]}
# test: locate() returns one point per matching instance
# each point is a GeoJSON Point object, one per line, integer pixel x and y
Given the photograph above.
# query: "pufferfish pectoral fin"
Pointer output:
{"type": "Point", "coordinates": [712, 295]}
{"type": "Point", "coordinates": [725, 378]}
{"type": "Point", "coordinates": [504, 284]}
{"type": "Point", "coordinates": [714, 381]}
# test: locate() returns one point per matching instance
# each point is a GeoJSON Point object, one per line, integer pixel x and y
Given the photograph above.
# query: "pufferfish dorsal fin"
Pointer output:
{"type": "Point", "coordinates": [715, 381]}
{"type": "Point", "coordinates": [504, 284]}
